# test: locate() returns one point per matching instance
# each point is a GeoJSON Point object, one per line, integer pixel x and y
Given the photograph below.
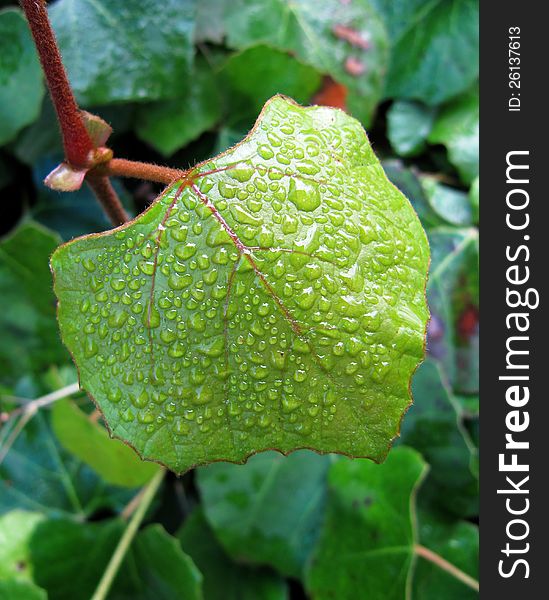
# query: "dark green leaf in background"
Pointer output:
{"type": "Point", "coordinates": [267, 511]}
{"type": "Point", "coordinates": [453, 206]}
{"type": "Point", "coordinates": [172, 124]}
{"type": "Point", "coordinates": [123, 51]}
{"type": "Point", "coordinates": [223, 578]}
{"type": "Point", "coordinates": [435, 45]}
{"type": "Point", "coordinates": [434, 427]}
{"type": "Point", "coordinates": [21, 87]}
{"type": "Point", "coordinates": [29, 341]}
{"type": "Point", "coordinates": [346, 41]}
{"type": "Point", "coordinates": [409, 124]}
{"type": "Point", "coordinates": [366, 548]}
{"type": "Point", "coordinates": [37, 474]}
{"type": "Point", "coordinates": [456, 542]}
{"type": "Point", "coordinates": [457, 127]}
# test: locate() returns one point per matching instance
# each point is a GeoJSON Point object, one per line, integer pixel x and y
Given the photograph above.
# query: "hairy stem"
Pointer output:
{"type": "Point", "coordinates": [443, 564]}
{"type": "Point", "coordinates": [107, 197]}
{"type": "Point", "coordinates": [119, 167]}
{"type": "Point", "coordinates": [127, 537]}
{"type": "Point", "coordinates": [76, 140]}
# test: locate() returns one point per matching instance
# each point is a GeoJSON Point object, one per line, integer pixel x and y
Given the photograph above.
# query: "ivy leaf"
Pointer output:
{"type": "Point", "coordinates": [172, 124]}
{"type": "Point", "coordinates": [366, 548]}
{"type": "Point", "coordinates": [29, 341]}
{"type": "Point", "coordinates": [456, 542]}
{"type": "Point", "coordinates": [453, 294]}
{"type": "Point", "coordinates": [224, 579]}
{"type": "Point", "coordinates": [457, 127]}
{"type": "Point", "coordinates": [408, 125]}
{"type": "Point", "coordinates": [435, 46]}
{"type": "Point", "coordinates": [112, 460]}
{"type": "Point", "coordinates": [12, 589]}
{"type": "Point", "coordinates": [274, 298]}
{"type": "Point", "coordinates": [259, 72]}
{"type": "Point", "coordinates": [154, 566]}
{"type": "Point", "coordinates": [255, 518]}
{"type": "Point", "coordinates": [434, 427]}
{"type": "Point", "coordinates": [127, 50]}
{"type": "Point", "coordinates": [453, 206]}
{"type": "Point", "coordinates": [15, 529]}
{"type": "Point", "coordinates": [346, 41]}
{"type": "Point", "coordinates": [21, 87]}
{"type": "Point", "coordinates": [37, 474]}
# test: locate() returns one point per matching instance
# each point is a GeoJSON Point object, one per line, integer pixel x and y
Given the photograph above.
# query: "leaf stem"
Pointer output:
{"type": "Point", "coordinates": [76, 140]}
{"type": "Point", "coordinates": [120, 167]}
{"type": "Point", "coordinates": [30, 409]}
{"type": "Point", "coordinates": [107, 197]}
{"type": "Point", "coordinates": [443, 564]}
{"type": "Point", "coordinates": [127, 537]}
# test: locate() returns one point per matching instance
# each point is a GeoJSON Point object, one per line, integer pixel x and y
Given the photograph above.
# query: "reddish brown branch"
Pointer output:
{"type": "Point", "coordinates": [119, 167]}
{"type": "Point", "coordinates": [76, 140]}
{"type": "Point", "coordinates": [107, 197]}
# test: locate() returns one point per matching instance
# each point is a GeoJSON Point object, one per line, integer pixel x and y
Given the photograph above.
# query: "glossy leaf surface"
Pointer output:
{"type": "Point", "coordinates": [272, 299]}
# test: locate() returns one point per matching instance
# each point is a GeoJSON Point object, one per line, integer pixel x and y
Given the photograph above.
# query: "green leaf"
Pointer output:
{"type": "Point", "coordinates": [224, 579]}
{"type": "Point", "coordinates": [366, 548]}
{"type": "Point", "coordinates": [267, 511]}
{"type": "Point", "coordinates": [15, 529]}
{"type": "Point", "coordinates": [346, 41]}
{"type": "Point", "coordinates": [29, 342]}
{"type": "Point", "coordinates": [409, 124]}
{"type": "Point", "coordinates": [21, 88]}
{"type": "Point", "coordinates": [457, 127]}
{"type": "Point", "coordinates": [453, 206]}
{"type": "Point", "coordinates": [475, 199]}
{"type": "Point", "coordinates": [123, 51]}
{"type": "Point", "coordinates": [434, 427]}
{"type": "Point", "coordinates": [37, 474]}
{"type": "Point", "coordinates": [456, 542]}
{"type": "Point", "coordinates": [407, 180]}
{"type": "Point", "coordinates": [272, 299]}
{"type": "Point", "coordinates": [435, 46]}
{"type": "Point", "coordinates": [90, 442]}
{"type": "Point", "coordinates": [154, 567]}
{"type": "Point", "coordinates": [256, 74]}
{"type": "Point", "coordinates": [12, 589]}
{"type": "Point", "coordinates": [172, 124]}
{"type": "Point", "coordinates": [453, 297]}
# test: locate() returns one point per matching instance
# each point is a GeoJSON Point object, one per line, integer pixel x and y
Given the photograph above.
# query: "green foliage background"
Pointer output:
{"type": "Point", "coordinates": [180, 84]}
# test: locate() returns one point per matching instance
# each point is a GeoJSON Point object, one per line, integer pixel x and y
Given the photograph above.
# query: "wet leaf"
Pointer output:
{"type": "Point", "coordinates": [366, 548]}
{"type": "Point", "coordinates": [267, 511]}
{"type": "Point", "coordinates": [125, 51]}
{"type": "Point", "coordinates": [272, 299]}
{"type": "Point", "coordinates": [21, 87]}
{"type": "Point", "coordinates": [328, 35]}
{"type": "Point", "coordinates": [90, 442]}
{"type": "Point", "coordinates": [30, 341]}
{"type": "Point", "coordinates": [223, 578]}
